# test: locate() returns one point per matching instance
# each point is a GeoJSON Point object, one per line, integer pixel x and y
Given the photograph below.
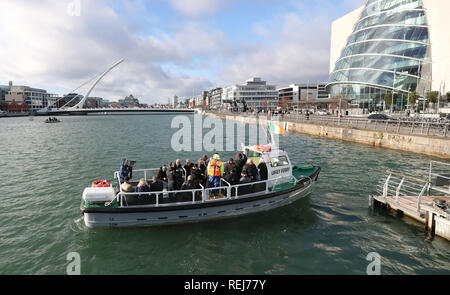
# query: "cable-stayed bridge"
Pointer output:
{"type": "Point", "coordinates": [80, 108]}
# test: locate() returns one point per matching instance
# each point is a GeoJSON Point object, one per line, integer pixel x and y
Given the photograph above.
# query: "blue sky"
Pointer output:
{"type": "Point", "coordinates": [172, 47]}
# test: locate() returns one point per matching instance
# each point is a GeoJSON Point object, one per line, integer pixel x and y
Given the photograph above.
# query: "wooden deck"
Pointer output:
{"type": "Point", "coordinates": [408, 204]}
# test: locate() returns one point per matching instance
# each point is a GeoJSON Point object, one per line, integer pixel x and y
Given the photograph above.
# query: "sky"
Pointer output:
{"type": "Point", "coordinates": [170, 47]}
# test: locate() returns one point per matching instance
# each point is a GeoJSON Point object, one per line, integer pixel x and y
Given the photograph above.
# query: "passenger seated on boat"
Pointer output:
{"type": "Point", "coordinates": [157, 185]}
{"type": "Point", "coordinates": [251, 171]}
{"type": "Point", "coordinates": [190, 184]}
{"type": "Point", "coordinates": [246, 189]}
{"type": "Point", "coordinates": [143, 186]}
{"type": "Point", "coordinates": [126, 170]}
{"type": "Point", "coordinates": [244, 179]}
{"type": "Point", "coordinates": [126, 186]}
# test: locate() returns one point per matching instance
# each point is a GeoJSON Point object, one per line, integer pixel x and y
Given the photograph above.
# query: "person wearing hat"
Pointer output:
{"type": "Point", "coordinates": [126, 170]}
{"type": "Point", "coordinates": [126, 186]}
{"type": "Point", "coordinates": [215, 171]}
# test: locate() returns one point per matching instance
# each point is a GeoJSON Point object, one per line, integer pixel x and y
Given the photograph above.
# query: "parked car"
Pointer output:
{"type": "Point", "coordinates": [323, 113]}
{"type": "Point", "coordinates": [381, 117]}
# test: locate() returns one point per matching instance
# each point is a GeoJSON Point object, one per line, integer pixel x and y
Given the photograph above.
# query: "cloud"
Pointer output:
{"type": "Point", "coordinates": [297, 50]}
{"type": "Point", "coordinates": [41, 44]}
{"type": "Point", "coordinates": [44, 45]}
{"type": "Point", "coordinates": [196, 7]}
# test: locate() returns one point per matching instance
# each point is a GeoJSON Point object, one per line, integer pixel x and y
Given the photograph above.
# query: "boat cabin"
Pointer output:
{"type": "Point", "coordinates": [276, 160]}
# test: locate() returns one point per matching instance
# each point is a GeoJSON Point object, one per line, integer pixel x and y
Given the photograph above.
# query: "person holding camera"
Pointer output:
{"type": "Point", "coordinates": [126, 170]}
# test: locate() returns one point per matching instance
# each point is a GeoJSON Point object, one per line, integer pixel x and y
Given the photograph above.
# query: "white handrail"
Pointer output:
{"type": "Point", "coordinates": [122, 195]}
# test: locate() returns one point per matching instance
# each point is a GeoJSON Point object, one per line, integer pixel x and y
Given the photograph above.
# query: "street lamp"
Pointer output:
{"type": "Point", "coordinates": [393, 89]}
{"type": "Point", "coordinates": [439, 97]}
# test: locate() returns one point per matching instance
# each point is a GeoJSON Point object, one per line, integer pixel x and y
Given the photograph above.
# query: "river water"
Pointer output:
{"type": "Point", "coordinates": [45, 167]}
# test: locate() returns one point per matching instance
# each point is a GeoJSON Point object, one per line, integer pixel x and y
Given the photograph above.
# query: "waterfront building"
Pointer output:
{"type": "Point", "coordinates": [255, 93]}
{"type": "Point", "coordinates": [295, 93]}
{"type": "Point", "coordinates": [129, 102]}
{"type": "Point", "coordinates": [35, 98]}
{"type": "Point", "coordinates": [216, 98]}
{"type": "Point", "coordinates": [202, 100]}
{"type": "Point", "coordinates": [173, 101]}
{"type": "Point", "coordinates": [4, 89]}
{"type": "Point", "coordinates": [390, 47]}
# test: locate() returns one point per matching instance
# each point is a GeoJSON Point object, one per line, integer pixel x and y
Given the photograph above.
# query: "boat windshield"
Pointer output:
{"type": "Point", "coordinates": [279, 161]}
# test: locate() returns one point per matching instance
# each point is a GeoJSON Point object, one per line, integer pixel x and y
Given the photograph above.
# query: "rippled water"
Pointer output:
{"type": "Point", "coordinates": [45, 167]}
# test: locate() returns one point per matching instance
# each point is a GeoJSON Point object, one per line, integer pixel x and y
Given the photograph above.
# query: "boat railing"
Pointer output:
{"type": "Point", "coordinates": [201, 195]}
{"type": "Point", "coordinates": [147, 174]}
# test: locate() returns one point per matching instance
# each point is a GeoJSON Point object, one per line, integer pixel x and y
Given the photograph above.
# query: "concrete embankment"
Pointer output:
{"type": "Point", "coordinates": [427, 145]}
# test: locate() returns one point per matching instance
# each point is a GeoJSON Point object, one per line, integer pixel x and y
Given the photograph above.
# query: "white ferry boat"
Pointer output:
{"type": "Point", "coordinates": [109, 206]}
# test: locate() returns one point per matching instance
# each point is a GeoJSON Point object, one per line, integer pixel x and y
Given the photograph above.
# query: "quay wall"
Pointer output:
{"type": "Point", "coordinates": [427, 145]}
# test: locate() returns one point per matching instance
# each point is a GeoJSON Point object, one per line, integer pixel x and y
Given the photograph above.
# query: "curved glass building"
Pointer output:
{"type": "Point", "coordinates": [388, 50]}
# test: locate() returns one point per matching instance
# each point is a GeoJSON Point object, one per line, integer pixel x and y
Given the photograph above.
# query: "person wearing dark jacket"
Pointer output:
{"type": "Point", "coordinates": [251, 171]}
{"type": "Point", "coordinates": [157, 185]}
{"type": "Point", "coordinates": [197, 175]}
{"type": "Point", "coordinates": [188, 167]}
{"type": "Point", "coordinates": [263, 173]}
{"type": "Point", "coordinates": [126, 170]}
{"type": "Point", "coordinates": [190, 184]}
{"type": "Point", "coordinates": [174, 178]}
{"type": "Point", "coordinates": [240, 162]}
{"type": "Point", "coordinates": [162, 173]}
{"type": "Point", "coordinates": [230, 172]}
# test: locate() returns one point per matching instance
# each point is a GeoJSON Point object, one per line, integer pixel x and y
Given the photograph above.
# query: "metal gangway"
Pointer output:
{"type": "Point", "coordinates": [410, 194]}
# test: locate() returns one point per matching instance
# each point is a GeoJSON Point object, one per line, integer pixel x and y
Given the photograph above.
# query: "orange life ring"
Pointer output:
{"type": "Point", "coordinates": [101, 183]}
{"type": "Point", "coordinates": [263, 148]}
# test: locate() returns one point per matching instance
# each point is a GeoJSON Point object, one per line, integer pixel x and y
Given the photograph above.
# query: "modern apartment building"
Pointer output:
{"type": "Point", "coordinates": [216, 98]}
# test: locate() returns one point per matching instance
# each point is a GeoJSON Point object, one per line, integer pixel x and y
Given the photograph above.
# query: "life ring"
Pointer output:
{"type": "Point", "coordinates": [263, 148]}
{"type": "Point", "coordinates": [101, 183]}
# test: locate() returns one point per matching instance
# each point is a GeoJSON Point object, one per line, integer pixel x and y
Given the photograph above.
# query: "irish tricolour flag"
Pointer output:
{"type": "Point", "coordinates": [276, 129]}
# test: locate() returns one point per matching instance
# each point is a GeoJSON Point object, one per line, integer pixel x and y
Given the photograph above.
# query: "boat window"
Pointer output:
{"type": "Point", "coordinates": [279, 161]}
{"type": "Point", "coordinates": [253, 154]}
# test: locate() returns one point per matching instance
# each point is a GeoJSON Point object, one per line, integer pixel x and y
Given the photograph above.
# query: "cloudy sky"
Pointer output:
{"type": "Point", "coordinates": [170, 47]}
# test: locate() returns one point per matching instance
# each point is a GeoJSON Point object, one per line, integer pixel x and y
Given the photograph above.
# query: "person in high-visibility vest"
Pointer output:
{"type": "Point", "coordinates": [215, 171]}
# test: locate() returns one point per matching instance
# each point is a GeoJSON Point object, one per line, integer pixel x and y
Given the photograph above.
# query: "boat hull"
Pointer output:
{"type": "Point", "coordinates": [121, 217]}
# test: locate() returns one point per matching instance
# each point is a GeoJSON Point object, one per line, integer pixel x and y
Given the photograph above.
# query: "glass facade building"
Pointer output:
{"type": "Point", "coordinates": [388, 51]}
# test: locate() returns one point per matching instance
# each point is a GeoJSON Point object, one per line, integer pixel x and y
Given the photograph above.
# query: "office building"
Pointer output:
{"type": "Point", "coordinates": [387, 47]}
